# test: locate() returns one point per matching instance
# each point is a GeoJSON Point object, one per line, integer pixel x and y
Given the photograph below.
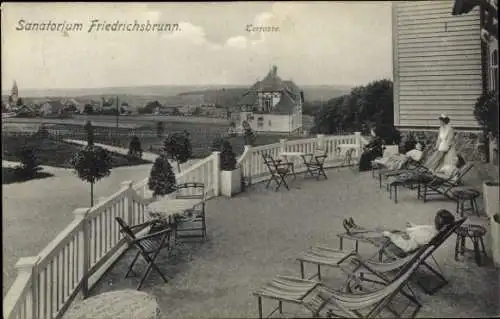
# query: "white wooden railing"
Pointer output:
{"type": "Point", "coordinates": [75, 260]}
{"type": "Point", "coordinates": [79, 256]}
{"type": "Point", "coordinates": [254, 169]}
{"type": "Point", "coordinates": [204, 171]}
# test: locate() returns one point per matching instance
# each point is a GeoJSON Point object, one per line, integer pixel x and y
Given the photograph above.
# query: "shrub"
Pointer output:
{"type": "Point", "coordinates": [217, 144]}
{"type": "Point", "coordinates": [134, 148]}
{"type": "Point", "coordinates": [29, 163]}
{"type": "Point", "coordinates": [409, 143]}
{"type": "Point", "coordinates": [178, 147]}
{"type": "Point", "coordinates": [486, 113]}
{"type": "Point", "coordinates": [227, 156]}
{"type": "Point", "coordinates": [161, 178]}
{"type": "Point", "coordinates": [248, 134]}
{"type": "Point", "coordinates": [91, 164]}
{"type": "Point", "coordinates": [389, 134]}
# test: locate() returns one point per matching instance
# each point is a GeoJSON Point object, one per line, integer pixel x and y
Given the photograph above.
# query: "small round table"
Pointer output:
{"type": "Point", "coordinates": [476, 234]}
{"type": "Point", "coordinates": [463, 195]}
{"type": "Point", "coordinates": [116, 304]}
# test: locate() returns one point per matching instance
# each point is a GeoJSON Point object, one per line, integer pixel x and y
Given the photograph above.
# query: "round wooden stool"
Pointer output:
{"type": "Point", "coordinates": [476, 234]}
{"type": "Point", "coordinates": [463, 195]}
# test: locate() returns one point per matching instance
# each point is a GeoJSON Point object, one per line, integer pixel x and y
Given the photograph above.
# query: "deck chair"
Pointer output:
{"type": "Point", "coordinates": [324, 256]}
{"type": "Point", "coordinates": [316, 296]}
{"type": "Point", "coordinates": [279, 171]}
{"type": "Point", "coordinates": [148, 246]}
{"type": "Point", "coordinates": [192, 224]}
{"type": "Point", "coordinates": [315, 163]}
{"type": "Point", "coordinates": [441, 186]}
{"type": "Point", "coordinates": [410, 166]}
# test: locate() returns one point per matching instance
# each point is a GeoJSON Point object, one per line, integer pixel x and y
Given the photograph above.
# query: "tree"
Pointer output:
{"type": "Point", "coordinates": [177, 146]}
{"type": "Point", "coordinates": [91, 164]}
{"type": "Point", "coordinates": [88, 109]}
{"type": "Point", "coordinates": [135, 149]}
{"type": "Point", "coordinates": [227, 157]}
{"type": "Point", "coordinates": [160, 129]}
{"type": "Point", "coordinates": [89, 131]}
{"type": "Point", "coordinates": [161, 178]}
{"type": "Point", "coordinates": [486, 114]}
{"type": "Point", "coordinates": [362, 107]}
{"type": "Point", "coordinates": [29, 162]}
{"type": "Point", "coordinates": [20, 102]}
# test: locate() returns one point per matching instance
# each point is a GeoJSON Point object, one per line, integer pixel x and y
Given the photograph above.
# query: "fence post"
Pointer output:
{"type": "Point", "coordinates": [216, 156]}
{"type": "Point", "coordinates": [81, 214]}
{"type": "Point", "coordinates": [129, 205]}
{"type": "Point", "coordinates": [248, 150]}
{"type": "Point", "coordinates": [283, 145]}
{"type": "Point", "coordinates": [28, 266]}
{"type": "Point", "coordinates": [320, 141]}
{"type": "Point", "coordinates": [359, 143]}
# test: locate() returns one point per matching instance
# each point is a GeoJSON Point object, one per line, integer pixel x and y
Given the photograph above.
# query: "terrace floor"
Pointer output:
{"type": "Point", "coordinates": [258, 234]}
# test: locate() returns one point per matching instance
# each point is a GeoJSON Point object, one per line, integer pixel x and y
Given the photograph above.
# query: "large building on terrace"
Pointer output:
{"type": "Point", "coordinates": [272, 105]}
{"type": "Point", "coordinates": [445, 55]}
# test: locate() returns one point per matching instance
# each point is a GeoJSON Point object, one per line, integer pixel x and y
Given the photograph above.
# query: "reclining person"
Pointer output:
{"type": "Point", "coordinates": [397, 161]}
{"type": "Point", "coordinates": [402, 242]}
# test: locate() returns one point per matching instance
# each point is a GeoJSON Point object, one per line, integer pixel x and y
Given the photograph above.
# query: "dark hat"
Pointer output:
{"type": "Point", "coordinates": [443, 117]}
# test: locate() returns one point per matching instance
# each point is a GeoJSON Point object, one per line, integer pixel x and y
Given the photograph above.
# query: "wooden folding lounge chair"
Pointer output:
{"type": "Point", "coordinates": [315, 163]}
{"type": "Point", "coordinates": [324, 256]}
{"type": "Point", "coordinates": [148, 246]}
{"type": "Point", "coordinates": [382, 270]}
{"type": "Point", "coordinates": [279, 171]}
{"type": "Point", "coordinates": [442, 186]}
{"type": "Point", "coordinates": [192, 224]}
{"type": "Point", "coordinates": [316, 296]}
{"type": "Point", "coordinates": [410, 166]}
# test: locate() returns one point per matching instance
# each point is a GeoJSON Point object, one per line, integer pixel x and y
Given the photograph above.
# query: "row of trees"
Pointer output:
{"type": "Point", "coordinates": [362, 108]}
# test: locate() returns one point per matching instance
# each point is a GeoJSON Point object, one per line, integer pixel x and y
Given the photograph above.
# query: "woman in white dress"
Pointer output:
{"type": "Point", "coordinates": [445, 153]}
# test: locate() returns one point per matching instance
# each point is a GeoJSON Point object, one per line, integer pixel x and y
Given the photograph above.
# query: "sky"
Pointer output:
{"type": "Point", "coordinates": [342, 43]}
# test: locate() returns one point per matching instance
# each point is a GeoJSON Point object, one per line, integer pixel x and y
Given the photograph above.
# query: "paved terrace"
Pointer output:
{"type": "Point", "coordinates": [258, 234]}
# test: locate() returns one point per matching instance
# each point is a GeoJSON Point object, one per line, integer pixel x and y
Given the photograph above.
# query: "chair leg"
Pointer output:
{"type": "Point", "coordinates": [132, 264]}
{"type": "Point", "coordinates": [151, 265]}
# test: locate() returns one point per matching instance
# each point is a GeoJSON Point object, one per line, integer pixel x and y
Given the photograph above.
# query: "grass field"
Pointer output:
{"type": "Point", "coordinates": [51, 152]}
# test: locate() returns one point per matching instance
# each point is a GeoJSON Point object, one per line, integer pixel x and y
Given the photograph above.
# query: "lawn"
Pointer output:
{"type": "Point", "coordinates": [10, 176]}
{"type": "Point", "coordinates": [51, 152]}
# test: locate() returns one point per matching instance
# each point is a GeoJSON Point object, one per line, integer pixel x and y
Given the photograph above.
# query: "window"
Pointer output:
{"type": "Point", "coordinates": [249, 117]}
{"type": "Point", "coordinates": [269, 123]}
{"type": "Point", "coordinates": [494, 70]}
{"type": "Point", "coordinates": [268, 104]}
{"type": "Point", "coordinates": [260, 122]}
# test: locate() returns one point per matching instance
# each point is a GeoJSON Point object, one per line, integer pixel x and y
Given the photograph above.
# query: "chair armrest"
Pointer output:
{"type": "Point", "coordinates": [149, 222]}
{"type": "Point", "coordinates": [156, 234]}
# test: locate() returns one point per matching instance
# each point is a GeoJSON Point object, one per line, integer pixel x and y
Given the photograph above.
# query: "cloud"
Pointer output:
{"type": "Point", "coordinates": [318, 42]}
{"type": "Point", "coordinates": [239, 42]}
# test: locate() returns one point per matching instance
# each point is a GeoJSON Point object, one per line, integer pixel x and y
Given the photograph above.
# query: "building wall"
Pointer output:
{"type": "Point", "coordinates": [270, 122]}
{"type": "Point", "coordinates": [436, 64]}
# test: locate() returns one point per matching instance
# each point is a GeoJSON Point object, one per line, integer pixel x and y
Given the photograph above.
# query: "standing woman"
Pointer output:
{"type": "Point", "coordinates": [371, 151]}
{"type": "Point", "coordinates": [444, 143]}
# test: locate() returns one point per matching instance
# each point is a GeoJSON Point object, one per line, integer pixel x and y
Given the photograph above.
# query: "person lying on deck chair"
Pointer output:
{"type": "Point", "coordinates": [396, 161]}
{"type": "Point", "coordinates": [402, 242]}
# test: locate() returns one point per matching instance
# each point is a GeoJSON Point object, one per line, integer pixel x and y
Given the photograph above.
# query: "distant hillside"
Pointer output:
{"type": "Point", "coordinates": [226, 96]}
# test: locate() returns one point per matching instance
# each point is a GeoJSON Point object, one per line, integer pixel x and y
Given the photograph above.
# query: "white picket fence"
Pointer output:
{"type": "Point", "coordinates": [77, 258]}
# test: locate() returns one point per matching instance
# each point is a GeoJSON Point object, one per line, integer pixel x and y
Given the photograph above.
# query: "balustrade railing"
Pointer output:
{"type": "Point", "coordinates": [78, 257]}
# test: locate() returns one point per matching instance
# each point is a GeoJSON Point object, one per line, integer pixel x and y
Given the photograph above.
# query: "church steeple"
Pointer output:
{"type": "Point", "coordinates": [15, 90]}
{"type": "Point", "coordinates": [14, 94]}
